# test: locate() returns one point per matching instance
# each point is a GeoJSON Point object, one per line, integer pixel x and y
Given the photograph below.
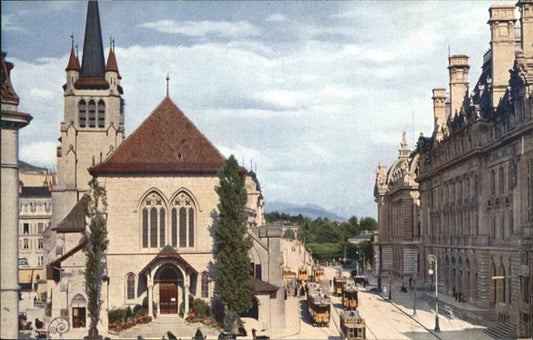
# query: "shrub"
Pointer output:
{"type": "Point", "coordinates": [129, 313]}
{"type": "Point", "coordinates": [201, 308]}
{"type": "Point", "coordinates": [138, 310]}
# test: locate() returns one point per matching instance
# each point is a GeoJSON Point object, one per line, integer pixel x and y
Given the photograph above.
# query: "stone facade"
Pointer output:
{"type": "Point", "coordinates": [476, 175]}
{"type": "Point", "coordinates": [396, 193]}
{"type": "Point", "coordinates": [160, 184]}
{"type": "Point", "coordinates": [11, 121]}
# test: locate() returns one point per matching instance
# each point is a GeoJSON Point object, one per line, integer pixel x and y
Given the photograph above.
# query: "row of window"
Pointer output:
{"type": "Point", "coordinates": [90, 114]}
{"type": "Point", "coordinates": [27, 243]}
{"type": "Point", "coordinates": [157, 233]}
{"type": "Point", "coordinates": [35, 206]}
{"type": "Point", "coordinates": [29, 228]}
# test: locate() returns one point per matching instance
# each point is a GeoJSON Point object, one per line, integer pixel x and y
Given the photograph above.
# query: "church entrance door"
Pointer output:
{"type": "Point", "coordinates": [168, 297]}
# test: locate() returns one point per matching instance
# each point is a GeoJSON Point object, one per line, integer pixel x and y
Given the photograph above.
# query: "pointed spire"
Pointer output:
{"type": "Point", "coordinates": [111, 64]}
{"type": "Point", "coordinates": [93, 65]}
{"type": "Point", "coordinates": [168, 79]}
{"type": "Point", "coordinates": [73, 62]}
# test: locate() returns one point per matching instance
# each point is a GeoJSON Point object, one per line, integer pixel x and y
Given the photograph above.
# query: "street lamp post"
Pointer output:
{"type": "Point", "coordinates": [390, 286]}
{"type": "Point", "coordinates": [414, 300]}
{"type": "Point", "coordinates": [433, 259]}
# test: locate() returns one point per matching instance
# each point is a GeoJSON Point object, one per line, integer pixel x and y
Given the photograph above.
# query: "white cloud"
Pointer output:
{"type": "Point", "coordinates": [39, 153]}
{"type": "Point", "coordinates": [278, 17]}
{"type": "Point", "coordinates": [9, 24]}
{"type": "Point", "coordinates": [233, 29]}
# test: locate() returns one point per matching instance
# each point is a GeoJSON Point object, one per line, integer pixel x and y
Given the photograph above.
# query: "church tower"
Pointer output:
{"type": "Point", "coordinates": [93, 123]}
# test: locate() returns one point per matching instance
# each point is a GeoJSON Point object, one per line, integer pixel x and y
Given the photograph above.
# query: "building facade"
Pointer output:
{"type": "Point", "coordinates": [397, 197]}
{"type": "Point", "coordinates": [160, 184]}
{"type": "Point", "coordinates": [476, 175]}
{"type": "Point", "coordinates": [12, 120]}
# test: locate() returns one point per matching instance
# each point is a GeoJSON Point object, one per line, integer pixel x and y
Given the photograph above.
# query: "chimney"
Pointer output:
{"type": "Point", "coordinates": [459, 68]}
{"type": "Point", "coordinates": [526, 24]}
{"type": "Point", "coordinates": [502, 45]}
{"type": "Point", "coordinates": [439, 112]}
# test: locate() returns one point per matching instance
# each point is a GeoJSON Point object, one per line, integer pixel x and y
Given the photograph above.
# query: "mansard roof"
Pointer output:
{"type": "Point", "coordinates": [166, 142]}
{"type": "Point", "coordinates": [75, 220]}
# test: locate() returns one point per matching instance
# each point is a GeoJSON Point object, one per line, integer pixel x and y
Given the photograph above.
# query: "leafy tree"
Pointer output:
{"type": "Point", "coordinates": [95, 252]}
{"type": "Point", "coordinates": [368, 223]}
{"type": "Point", "coordinates": [231, 244]}
{"type": "Point", "coordinates": [289, 234]}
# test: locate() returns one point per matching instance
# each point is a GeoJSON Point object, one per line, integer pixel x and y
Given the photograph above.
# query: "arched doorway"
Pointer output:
{"type": "Point", "coordinates": [168, 279]}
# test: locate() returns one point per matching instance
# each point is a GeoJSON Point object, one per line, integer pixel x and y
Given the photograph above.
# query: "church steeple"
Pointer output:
{"type": "Point", "coordinates": [93, 65]}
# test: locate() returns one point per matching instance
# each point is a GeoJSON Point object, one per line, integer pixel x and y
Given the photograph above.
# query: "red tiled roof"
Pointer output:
{"type": "Point", "coordinates": [111, 62]}
{"type": "Point", "coordinates": [73, 62]}
{"type": "Point", "coordinates": [166, 142]}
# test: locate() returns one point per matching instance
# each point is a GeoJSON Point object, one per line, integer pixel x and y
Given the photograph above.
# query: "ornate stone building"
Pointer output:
{"type": "Point", "coordinates": [12, 121]}
{"type": "Point", "coordinates": [476, 175]}
{"type": "Point", "coordinates": [160, 184]}
{"type": "Point", "coordinates": [396, 193]}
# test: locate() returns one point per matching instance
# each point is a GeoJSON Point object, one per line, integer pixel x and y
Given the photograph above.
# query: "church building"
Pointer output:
{"type": "Point", "coordinates": [160, 184]}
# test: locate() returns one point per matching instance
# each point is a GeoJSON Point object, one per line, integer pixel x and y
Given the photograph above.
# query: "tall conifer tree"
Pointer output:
{"type": "Point", "coordinates": [231, 243]}
{"type": "Point", "coordinates": [95, 253]}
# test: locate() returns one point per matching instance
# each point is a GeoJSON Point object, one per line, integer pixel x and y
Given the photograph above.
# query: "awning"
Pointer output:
{"type": "Point", "coordinates": [168, 253]}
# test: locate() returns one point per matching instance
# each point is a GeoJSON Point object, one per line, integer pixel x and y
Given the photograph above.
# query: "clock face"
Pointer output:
{"type": "Point", "coordinates": [430, 272]}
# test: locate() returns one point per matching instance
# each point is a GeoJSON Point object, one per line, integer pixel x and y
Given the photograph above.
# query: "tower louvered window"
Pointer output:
{"type": "Point", "coordinates": [92, 114]}
{"type": "Point", "coordinates": [101, 114]}
{"type": "Point", "coordinates": [82, 113]}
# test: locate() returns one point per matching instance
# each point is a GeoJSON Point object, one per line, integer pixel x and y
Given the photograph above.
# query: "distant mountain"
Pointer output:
{"type": "Point", "coordinates": [312, 211]}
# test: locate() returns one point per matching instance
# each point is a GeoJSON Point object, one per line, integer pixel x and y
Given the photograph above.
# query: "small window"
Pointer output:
{"type": "Point", "coordinates": [130, 286]}
{"type": "Point", "coordinates": [26, 244]}
{"type": "Point", "coordinates": [40, 227]}
{"type": "Point", "coordinates": [40, 244]}
{"type": "Point", "coordinates": [26, 228]}
{"type": "Point", "coordinates": [205, 285]}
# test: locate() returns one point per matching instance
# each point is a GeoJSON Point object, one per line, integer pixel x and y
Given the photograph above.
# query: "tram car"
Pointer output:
{"type": "Point", "coordinates": [349, 297]}
{"type": "Point", "coordinates": [319, 307]}
{"type": "Point", "coordinates": [352, 326]}
{"type": "Point", "coordinates": [302, 274]}
{"type": "Point", "coordinates": [317, 273]}
{"type": "Point", "coordinates": [338, 285]}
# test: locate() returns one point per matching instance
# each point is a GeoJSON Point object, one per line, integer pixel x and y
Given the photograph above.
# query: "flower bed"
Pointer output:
{"type": "Point", "coordinates": [117, 327]}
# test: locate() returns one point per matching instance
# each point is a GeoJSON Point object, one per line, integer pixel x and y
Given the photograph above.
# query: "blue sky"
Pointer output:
{"type": "Point", "coordinates": [316, 93]}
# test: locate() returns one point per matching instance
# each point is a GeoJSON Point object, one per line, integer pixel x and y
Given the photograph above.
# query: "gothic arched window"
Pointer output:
{"type": "Point", "coordinates": [153, 221]}
{"type": "Point", "coordinates": [92, 114]}
{"type": "Point", "coordinates": [82, 113]}
{"type": "Point", "coordinates": [130, 286]}
{"type": "Point", "coordinates": [205, 285]}
{"type": "Point", "coordinates": [101, 114]}
{"type": "Point", "coordinates": [183, 227]}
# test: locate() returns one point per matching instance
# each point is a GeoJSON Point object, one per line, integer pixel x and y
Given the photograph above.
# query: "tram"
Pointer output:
{"type": "Point", "coordinates": [352, 326]}
{"type": "Point", "coordinates": [302, 274]}
{"type": "Point", "coordinates": [317, 273]}
{"type": "Point", "coordinates": [338, 285]}
{"type": "Point", "coordinates": [349, 297]}
{"type": "Point", "coordinates": [319, 307]}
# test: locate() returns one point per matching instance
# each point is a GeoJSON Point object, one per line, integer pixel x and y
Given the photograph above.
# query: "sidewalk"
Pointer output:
{"type": "Point", "coordinates": [451, 327]}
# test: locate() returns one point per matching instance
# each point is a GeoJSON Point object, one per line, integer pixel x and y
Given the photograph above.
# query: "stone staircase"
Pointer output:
{"type": "Point", "coordinates": [160, 326]}
{"type": "Point", "coordinates": [502, 331]}
{"type": "Point", "coordinates": [479, 317]}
